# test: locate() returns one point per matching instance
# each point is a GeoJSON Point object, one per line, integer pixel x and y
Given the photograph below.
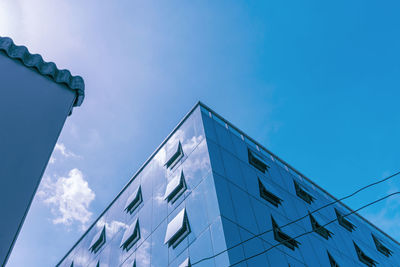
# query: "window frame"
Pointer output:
{"type": "Point", "coordinates": [128, 242]}
{"type": "Point", "coordinates": [175, 158]}
{"type": "Point", "coordinates": [344, 222]}
{"type": "Point", "coordinates": [98, 240]}
{"type": "Point", "coordinates": [318, 228]}
{"type": "Point", "coordinates": [282, 237]}
{"type": "Point", "coordinates": [268, 195]}
{"type": "Point", "coordinates": [364, 258]}
{"type": "Point", "coordinates": [332, 261]}
{"type": "Point", "coordinates": [381, 247]}
{"type": "Point", "coordinates": [257, 161]}
{"type": "Point", "coordinates": [186, 263]}
{"type": "Point", "coordinates": [171, 195]}
{"type": "Point", "coordinates": [174, 239]}
{"type": "Point", "coordinates": [132, 203]}
{"type": "Point", "coordinates": [302, 192]}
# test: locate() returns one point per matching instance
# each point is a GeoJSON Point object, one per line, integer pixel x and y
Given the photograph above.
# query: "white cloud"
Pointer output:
{"type": "Point", "coordinates": [69, 198]}
{"type": "Point", "coordinates": [388, 216]}
{"type": "Point", "coordinates": [60, 147]}
{"type": "Point", "coordinates": [143, 254]}
{"type": "Point", "coordinates": [81, 259]}
{"type": "Point", "coordinates": [52, 160]}
{"type": "Point", "coordinates": [179, 135]}
{"type": "Point", "coordinates": [192, 143]}
{"type": "Point", "coordinates": [159, 197]}
{"type": "Point", "coordinates": [113, 227]}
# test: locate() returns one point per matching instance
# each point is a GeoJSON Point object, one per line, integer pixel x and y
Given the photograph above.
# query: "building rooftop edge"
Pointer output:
{"type": "Point", "coordinates": [49, 69]}
{"type": "Point", "coordinates": [201, 104]}
{"type": "Point", "coordinates": [298, 172]}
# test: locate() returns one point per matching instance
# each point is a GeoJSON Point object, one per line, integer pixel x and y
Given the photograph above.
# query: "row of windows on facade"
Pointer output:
{"type": "Point", "coordinates": [317, 227]}
{"type": "Point", "coordinates": [177, 229]}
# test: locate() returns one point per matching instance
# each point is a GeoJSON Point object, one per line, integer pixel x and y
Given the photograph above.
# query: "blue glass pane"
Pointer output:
{"type": "Point", "coordinates": [232, 169]}
{"type": "Point", "coordinates": [202, 248]}
{"type": "Point", "coordinates": [224, 138]}
{"type": "Point", "coordinates": [232, 237]}
{"type": "Point", "coordinates": [215, 158]}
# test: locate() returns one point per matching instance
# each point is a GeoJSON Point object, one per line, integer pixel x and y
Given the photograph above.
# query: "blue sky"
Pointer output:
{"type": "Point", "coordinates": [315, 82]}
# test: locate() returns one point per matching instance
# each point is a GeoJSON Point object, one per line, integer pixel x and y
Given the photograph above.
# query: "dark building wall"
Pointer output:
{"type": "Point", "coordinates": [245, 213]}
{"type": "Point", "coordinates": [32, 113]}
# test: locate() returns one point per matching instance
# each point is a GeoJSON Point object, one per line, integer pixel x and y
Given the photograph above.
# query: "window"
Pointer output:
{"type": "Point", "coordinates": [98, 264]}
{"type": "Point", "coordinates": [318, 228]}
{"type": "Point", "coordinates": [174, 158]}
{"type": "Point", "coordinates": [98, 241]}
{"type": "Point", "coordinates": [175, 188]}
{"type": "Point", "coordinates": [282, 237]}
{"type": "Point", "coordinates": [186, 263]}
{"type": "Point", "coordinates": [131, 236]}
{"type": "Point", "coordinates": [256, 161]}
{"type": "Point", "coordinates": [72, 264]}
{"type": "Point", "coordinates": [344, 222]}
{"type": "Point", "coordinates": [134, 200]}
{"type": "Point", "coordinates": [267, 195]}
{"type": "Point", "coordinates": [363, 257]}
{"type": "Point", "coordinates": [381, 247]}
{"type": "Point", "coordinates": [178, 228]}
{"type": "Point", "coordinates": [332, 260]}
{"type": "Point", "coordinates": [302, 193]}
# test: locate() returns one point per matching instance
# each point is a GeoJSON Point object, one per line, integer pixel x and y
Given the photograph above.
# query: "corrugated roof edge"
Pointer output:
{"type": "Point", "coordinates": [49, 69]}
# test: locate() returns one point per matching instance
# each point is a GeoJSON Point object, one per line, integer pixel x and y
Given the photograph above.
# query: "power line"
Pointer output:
{"type": "Point", "coordinates": [280, 243]}
{"type": "Point", "coordinates": [322, 207]}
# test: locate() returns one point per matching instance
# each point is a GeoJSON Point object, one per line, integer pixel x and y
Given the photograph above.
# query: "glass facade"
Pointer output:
{"type": "Point", "coordinates": [212, 196]}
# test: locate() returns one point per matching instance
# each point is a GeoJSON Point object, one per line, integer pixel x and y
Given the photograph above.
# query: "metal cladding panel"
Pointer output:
{"type": "Point", "coordinates": [32, 114]}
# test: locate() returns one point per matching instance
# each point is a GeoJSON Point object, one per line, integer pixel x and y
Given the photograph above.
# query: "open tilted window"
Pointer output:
{"type": "Point", "coordinates": [363, 257]}
{"type": "Point", "coordinates": [134, 200]}
{"type": "Point", "coordinates": [175, 157]}
{"type": "Point", "coordinates": [317, 226]}
{"type": "Point", "coordinates": [186, 263]}
{"type": "Point", "coordinates": [131, 236]}
{"type": "Point", "coordinates": [344, 222]}
{"type": "Point", "coordinates": [175, 188]}
{"type": "Point", "coordinates": [98, 241]}
{"type": "Point", "coordinates": [268, 195]}
{"type": "Point", "coordinates": [303, 193]}
{"type": "Point", "coordinates": [178, 228]}
{"type": "Point", "coordinates": [381, 247]}
{"type": "Point", "coordinates": [332, 261]}
{"type": "Point", "coordinates": [282, 237]}
{"type": "Point", "coordinates": [256, 161]}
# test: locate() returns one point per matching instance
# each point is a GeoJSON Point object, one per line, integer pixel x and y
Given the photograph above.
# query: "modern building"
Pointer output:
{"type": "Point", "coordinates": [212, 196]}
{"type": "Point", "coordinates": [36, 100]}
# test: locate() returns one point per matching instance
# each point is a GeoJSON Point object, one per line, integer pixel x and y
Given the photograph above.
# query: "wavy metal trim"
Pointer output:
{"type": "Point", "coordinates": [49, 69]}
